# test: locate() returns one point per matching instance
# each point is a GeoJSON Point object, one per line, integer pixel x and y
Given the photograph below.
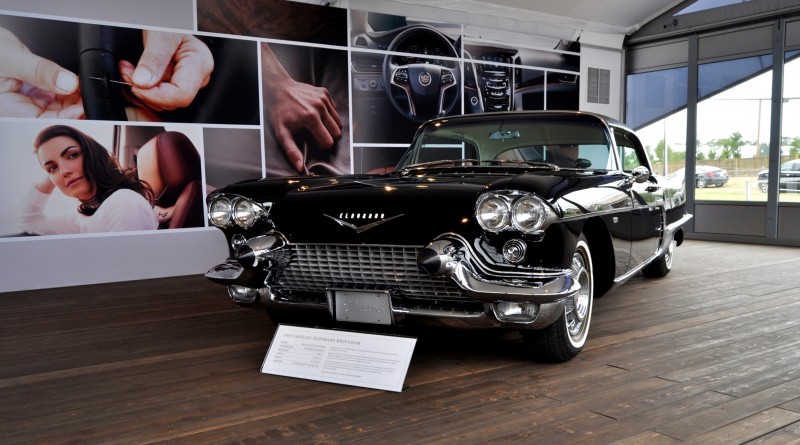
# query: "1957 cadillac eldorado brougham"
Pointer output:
{"type": "Point", "coordinates": [511, 220]}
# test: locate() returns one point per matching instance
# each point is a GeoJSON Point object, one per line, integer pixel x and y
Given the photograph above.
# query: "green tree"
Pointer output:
{"type": "Point", "coordinates": [794, 145]}
{"type": "Point", "coordinates": [731, 146]}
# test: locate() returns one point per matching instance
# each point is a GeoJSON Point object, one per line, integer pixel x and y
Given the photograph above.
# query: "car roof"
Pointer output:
{"type": "Point", "coordinates": [534, 113]}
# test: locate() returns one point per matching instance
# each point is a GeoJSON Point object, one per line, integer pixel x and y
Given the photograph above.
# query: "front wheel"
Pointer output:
{"type": "Point", "coordinates": [701, 183]}
{"type": "Point", "coordinates": [565, 338]}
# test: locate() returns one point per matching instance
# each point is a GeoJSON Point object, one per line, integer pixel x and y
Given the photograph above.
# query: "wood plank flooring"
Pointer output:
{"type": "Point", "coordinates": [708, 355]}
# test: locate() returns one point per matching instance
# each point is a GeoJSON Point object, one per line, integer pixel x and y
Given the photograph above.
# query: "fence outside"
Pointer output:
{"type": "Point", "coordinates": [742, 167]}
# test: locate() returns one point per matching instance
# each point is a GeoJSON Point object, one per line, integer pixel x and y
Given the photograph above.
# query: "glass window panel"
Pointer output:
{"type": "Point", "coordinates": [702, 5]}
{"type": "Point", "coordinates": [733, 129]}
{"type": "Point", "coordinates": [789, 176]}
{"type": "Point", "coordinates": [664, 141]}
{"type": "Point", "coordinates": [715, 77]}
{"type": "Point", "coordinates": [651, 96]}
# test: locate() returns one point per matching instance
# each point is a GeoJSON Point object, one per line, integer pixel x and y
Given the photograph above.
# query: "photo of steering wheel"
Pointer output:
{"type": "Point", "coordinates": [420, 82]}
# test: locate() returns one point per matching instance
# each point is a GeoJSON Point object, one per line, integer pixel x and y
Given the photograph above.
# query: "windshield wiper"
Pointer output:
{"type": "Point", "coordinates": [521, 163]}
{"type": "Point", "coordinates": [442, 162]}
{"type": "Point", "coordinates": [464, 162]}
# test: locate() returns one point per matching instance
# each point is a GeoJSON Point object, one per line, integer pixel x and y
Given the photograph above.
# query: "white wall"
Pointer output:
{"type": "Point", "coordinates": [58, 261]}
{"type": "Point", "coordinates": [603, 51]}
{"type": "Point", "coordinates": [178, 14]}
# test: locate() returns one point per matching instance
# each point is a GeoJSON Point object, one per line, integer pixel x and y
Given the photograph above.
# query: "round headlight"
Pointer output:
{"type": "Point", "coordinates": [219, 211]}
{"type": "Point", "coordinates": [493, 213]}
{"type": "Point", "coordinates": [528, 214]}
{"type": "Point", "coordinates": [245, 213]}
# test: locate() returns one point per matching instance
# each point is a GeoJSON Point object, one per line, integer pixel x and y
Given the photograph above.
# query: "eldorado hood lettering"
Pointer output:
{"type": "Point", "coordinates": [363, 228]}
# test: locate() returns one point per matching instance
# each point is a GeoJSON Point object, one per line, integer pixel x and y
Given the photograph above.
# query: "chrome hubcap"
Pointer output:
{"type": "Point", "coordinates": [579, 306]}
{"type": "Point", "coordinates": [668, 254]}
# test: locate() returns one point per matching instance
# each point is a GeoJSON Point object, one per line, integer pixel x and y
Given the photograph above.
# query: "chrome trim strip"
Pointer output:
{"type": "Point", "coordinates": [556, 289]}
{"type": "Point", "coordinates": [672, 228]}
{"type": "Point", "coordinates": [474, 259]}
{"type": "Point", "coordinates": [548, 312]}
{"type": "Point", "coordinates": [669, 231]}
{"type": "Point", "coordinates": [225, 273]}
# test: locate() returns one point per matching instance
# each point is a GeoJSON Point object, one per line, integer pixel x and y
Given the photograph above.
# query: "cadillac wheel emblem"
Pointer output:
{"type": "Point", "coordinates": [425, 78]}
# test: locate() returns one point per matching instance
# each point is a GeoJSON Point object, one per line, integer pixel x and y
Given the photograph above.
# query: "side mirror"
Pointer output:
{"type": "Point", "coordinates": [640, 174]}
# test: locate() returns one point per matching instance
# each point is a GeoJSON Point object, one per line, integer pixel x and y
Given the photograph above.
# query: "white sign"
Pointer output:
{"type": "Point", "coordinates": [349, 358]}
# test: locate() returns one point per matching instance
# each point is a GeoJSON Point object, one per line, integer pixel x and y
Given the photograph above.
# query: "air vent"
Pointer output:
{"type": "Point", "coordinates": [598, 90]}
{"type": "Point", "coordinates": [361, 41]}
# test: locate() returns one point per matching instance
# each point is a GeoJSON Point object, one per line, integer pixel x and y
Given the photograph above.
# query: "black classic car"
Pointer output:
{"type": "Point", "coordinates": [512, 220]}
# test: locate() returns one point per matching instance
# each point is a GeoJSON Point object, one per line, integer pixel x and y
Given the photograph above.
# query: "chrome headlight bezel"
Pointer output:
{"type": "Point", "coordinates": [493, 212]}
{"type": "Point", "coordinates": [511, 210]}
{"type": "Point", "coordinates": [528, 214]}
{"type": "Point", "coordinates": [245, 213]}
{"type": "Point", "coordinates": [225, 211]}
{"type": "Point", "coordinates": [220, 211]}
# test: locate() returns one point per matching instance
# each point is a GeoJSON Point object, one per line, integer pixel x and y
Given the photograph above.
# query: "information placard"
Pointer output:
{"type": "Point", "coordinates": [349, 358]}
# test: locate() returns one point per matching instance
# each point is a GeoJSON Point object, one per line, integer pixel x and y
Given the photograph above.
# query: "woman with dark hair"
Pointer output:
{"type": "Point", "coordinates": [111, 199]}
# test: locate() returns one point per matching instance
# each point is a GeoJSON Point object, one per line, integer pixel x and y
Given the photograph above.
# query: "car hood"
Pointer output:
{"type": "Point", "coordinates": [395, 208]}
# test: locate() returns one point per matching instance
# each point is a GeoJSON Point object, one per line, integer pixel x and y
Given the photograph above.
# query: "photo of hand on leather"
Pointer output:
{"type": "Point", "coordinates": [171, 71]}
{"type": "Point", "coordinates": [32, 86]}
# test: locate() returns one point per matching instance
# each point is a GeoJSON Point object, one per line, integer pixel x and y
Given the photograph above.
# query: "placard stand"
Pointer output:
{"type": "Point", "coordinates": [344, 357]}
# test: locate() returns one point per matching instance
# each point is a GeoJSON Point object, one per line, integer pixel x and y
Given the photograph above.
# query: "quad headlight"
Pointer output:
{"type": "Point", "coordinates": [219, 211]}
{"type": "Point", "coordinates": [224, 211]}
{"type": "Point", "coordinates": [493, 213]}
{"type": "Point", "coordinates": [528, 213]}
{"type": "Point", "coordinates": [510, 210]}
{"type": "Point", "coordinates": [245, 212]}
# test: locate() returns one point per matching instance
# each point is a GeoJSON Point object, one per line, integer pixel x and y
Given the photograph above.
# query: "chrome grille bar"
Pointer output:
{"type": "Point", "coordinates": [317, 267]}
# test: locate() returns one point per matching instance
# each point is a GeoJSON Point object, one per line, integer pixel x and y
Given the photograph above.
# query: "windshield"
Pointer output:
{"type": "Point", "coordinates": [572, 141]}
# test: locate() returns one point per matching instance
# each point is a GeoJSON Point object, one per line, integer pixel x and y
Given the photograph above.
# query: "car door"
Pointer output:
{"type": "Point", "coordinates": [790, 176]}
{"type": "Point", "coordinates": [647, 198]}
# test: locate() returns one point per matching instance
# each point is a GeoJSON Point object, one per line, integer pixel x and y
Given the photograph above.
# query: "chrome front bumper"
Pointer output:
{"type": "Point", "coordinates": [549, 298]}
{"type": "Point", "coordinates": [250, 280]}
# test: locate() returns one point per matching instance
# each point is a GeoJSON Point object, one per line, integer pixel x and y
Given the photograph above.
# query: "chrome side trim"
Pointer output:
{"type": "Point", "coordinates": [672, 228]}
{"type": "Point", "coordinates": [669, 232]}
{"type": "Point", "coordinates": [546, 291]}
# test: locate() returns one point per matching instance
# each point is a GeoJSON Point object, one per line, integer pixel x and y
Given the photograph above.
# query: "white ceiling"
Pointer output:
{"type": "Point", "coordinates": [564, 19]}
{"type": "Point", "coordinates": [614, 16]}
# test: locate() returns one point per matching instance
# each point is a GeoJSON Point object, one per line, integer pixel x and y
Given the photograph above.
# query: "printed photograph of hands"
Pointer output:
{"type": "Point", "coordinates": [306, 110]}
{"type": "Point", "coordinates": [53, 69]}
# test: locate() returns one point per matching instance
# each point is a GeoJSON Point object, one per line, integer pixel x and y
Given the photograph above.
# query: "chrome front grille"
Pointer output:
{"type": "Point", "coordinates": [317, 267]}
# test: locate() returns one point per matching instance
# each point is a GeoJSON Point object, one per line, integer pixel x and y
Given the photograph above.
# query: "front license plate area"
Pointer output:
{"type": "Point", "coordinates": [358, 306]}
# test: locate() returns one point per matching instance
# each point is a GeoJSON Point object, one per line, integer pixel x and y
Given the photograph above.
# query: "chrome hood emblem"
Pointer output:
{"type": "Point", "coordinates": [375, 218]}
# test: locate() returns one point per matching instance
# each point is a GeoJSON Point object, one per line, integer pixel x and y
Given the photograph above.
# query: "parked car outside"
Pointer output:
{"type": "Point", "coordinates": [789, 177]}
{"type": "Point", "coordinates": [705, 175]}
{"type": "Point", "coordinates": [507, 220]}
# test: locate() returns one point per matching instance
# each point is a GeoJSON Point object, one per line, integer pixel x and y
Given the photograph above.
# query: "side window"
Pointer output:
{"type": "Point", "coordinates": [629, 156]}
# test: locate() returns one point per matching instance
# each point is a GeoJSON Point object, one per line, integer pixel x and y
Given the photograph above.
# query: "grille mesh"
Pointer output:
{"type": "Point", "coordinates": [316, 267]}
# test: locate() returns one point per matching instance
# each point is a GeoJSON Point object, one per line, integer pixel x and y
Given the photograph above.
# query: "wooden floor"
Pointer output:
{"type": "Point", "coordinates": [710, 354]}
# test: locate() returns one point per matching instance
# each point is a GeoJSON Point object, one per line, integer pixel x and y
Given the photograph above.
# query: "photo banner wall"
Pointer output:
{"type": "Point", "coordinates": [261, 88]}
